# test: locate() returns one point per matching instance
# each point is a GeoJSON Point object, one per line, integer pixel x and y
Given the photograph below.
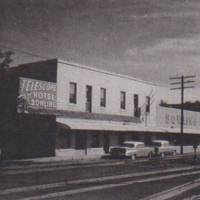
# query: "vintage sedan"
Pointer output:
{"type": "Point", "coordinates": [131, 149]}
{"type": "Point", "coordinates": [163, 148]}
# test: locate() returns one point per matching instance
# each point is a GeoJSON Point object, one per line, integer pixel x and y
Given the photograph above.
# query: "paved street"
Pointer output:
{"type": "Point", "coordinates": [102, 179]}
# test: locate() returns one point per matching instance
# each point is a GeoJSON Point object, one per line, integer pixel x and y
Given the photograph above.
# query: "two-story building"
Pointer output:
{"type": "Point", "coordinates": [102, 109]}
{"type": "Point", "coordinates": [63, 105]}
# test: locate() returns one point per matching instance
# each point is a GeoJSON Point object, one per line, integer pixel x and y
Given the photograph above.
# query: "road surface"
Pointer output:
{"type": "Point", "coordinates": [120, 179]}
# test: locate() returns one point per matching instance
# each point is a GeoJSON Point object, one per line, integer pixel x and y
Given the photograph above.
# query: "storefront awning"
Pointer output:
{"type": "Point", "coordinates": [120, 127]}
{"type": "Point", "coordinates": [103, 127]}
{"type": "Point", "coordinates": [64, 123]}
{"type": "Point", "coordinates": [106, 127]}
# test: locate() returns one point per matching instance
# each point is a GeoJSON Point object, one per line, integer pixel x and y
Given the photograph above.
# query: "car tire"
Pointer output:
{"type": "Point", "coordinates": [162, 155]}
{"type": "Point", "coordinates": [133, 157]}
{"type": "Point", "coordinates": [173, 153]}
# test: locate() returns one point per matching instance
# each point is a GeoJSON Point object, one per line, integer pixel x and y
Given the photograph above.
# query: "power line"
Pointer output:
{"type": "Point", "coordinates": [23, 52]}
{"type": "Point", "coordinates": [182, 87]}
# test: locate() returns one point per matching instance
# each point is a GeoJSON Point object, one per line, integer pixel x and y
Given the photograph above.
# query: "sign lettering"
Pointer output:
{"type": "Point", "coordinates": [176, 119]}
{"type": "Point", "coordinates": [38, 93]}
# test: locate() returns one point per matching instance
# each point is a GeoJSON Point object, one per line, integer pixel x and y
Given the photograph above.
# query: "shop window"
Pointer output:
{"type": "Point", "coordinates": [81, 140]}
{"type": "Point", "coordinates": [95, 139]}
{"type": "Point", "coordinates": [148, 104]}
{"type": "Point", "coordinates": [135, 137]}
{"type": "Point", "coordinates": [123, 100]}
{"type": "Point", "coordinates": [106, 142]}
{"type": "Point", "coordinates": [64, 139]}
{"type": "Point", "coordinates": [121, 138]}
{"type": "Point", "coordinates": [136, 106]}
{"type": "Point", "coordinates": [103, 97]}
{"type": "Point", "coordinates": [72, 94]}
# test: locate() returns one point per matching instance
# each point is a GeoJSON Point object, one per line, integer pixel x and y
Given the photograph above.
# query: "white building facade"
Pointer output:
{"type": "Point", "coordinates": [102, 109]}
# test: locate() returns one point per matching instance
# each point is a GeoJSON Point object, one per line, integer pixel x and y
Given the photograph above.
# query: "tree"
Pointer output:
{"type": "Point", "coordinates": [188, 105]}
{"type": "Point", "coordinates": [5, 60]}
{"type": "Point", "coordinates": [163, 103]}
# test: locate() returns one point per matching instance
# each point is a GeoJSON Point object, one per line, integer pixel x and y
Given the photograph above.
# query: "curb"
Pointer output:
{"type": "Point", "coordinates": [35, 163]}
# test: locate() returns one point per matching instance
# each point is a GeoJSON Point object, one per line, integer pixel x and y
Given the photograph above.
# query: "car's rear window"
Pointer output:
{"type": "Point", "coordinates": [156, 144]}
{"type": "Point", "coordinates": [128, 145]}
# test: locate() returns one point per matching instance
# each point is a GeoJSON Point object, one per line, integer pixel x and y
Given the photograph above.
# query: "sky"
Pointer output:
{"type": "Point", "coordinates": [151, 40]}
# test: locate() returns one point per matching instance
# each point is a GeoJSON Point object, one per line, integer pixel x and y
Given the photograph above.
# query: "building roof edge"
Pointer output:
{"type": "Point", "coordinates": [104, 71]}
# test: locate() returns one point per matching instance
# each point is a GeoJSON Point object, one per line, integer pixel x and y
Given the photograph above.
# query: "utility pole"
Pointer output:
{"type": "Point", "coordinates": [182, 78]}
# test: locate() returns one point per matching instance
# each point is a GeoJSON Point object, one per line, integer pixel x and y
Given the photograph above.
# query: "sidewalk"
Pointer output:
{"type": "Point", "coordinates": [66, 159]}
{"type": "Point", "coordinates": [78, 158]}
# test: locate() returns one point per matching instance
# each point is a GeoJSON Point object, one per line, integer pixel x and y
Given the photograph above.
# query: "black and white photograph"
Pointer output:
{"type": "Point", "coordinates": [99, 99]}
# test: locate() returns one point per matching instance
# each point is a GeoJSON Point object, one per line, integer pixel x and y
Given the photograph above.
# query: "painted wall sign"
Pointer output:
{"type": "Point", "coordinates": [176, 119]}
{"type": "Point", "coordinates": [37, 93]}
{"type": "Point", "coordinates": [171, 118]}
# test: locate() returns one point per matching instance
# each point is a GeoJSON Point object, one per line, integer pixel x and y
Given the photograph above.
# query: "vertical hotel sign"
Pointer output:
{"type": "Point", "coordinates": [37, 93]}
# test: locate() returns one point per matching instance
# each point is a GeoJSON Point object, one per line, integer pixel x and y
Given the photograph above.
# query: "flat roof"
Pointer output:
{"type": "Point", "coordinates": [93, 69]}
{"type": "Point", "coordinates": [104, 71]}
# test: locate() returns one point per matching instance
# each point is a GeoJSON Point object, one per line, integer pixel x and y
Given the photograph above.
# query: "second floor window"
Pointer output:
{"type": "Point", "coordinates": [136, 106]}
{"type": "Point", "coordinates": [103, 97]}
{"type": "Point", "coordinates": [72, 94]}
{"type": "Point", "coordinates": [148, 104]}
{"type": "Point", "coordinates": [123, 100]}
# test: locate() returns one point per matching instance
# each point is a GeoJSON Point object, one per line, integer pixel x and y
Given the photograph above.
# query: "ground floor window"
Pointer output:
{"type": "Point", "coordinates": [121, 138]}
{"type": "Point", "coordinates": [135, 137]}
{"type": "Point", "coordinates": [148, 139]}
{"type": "Point", "coordinates": [63, 140]}
{"type": "Point", "coordinates": [190, 139]}
{"type": "Point", "coordinates": [81, 140]}
{"type": "Point", "coordinates": [106, 142]}
{"type": "Point", "coordinates": [95, 139]}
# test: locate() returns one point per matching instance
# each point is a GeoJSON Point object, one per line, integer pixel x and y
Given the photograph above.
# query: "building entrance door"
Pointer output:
{"type": "Point", "coordinates": [148, 139]}
{"type": "Point", "coordinates": [121, 138]}
{"type": "Point", "coordinates": [88, 98]}
{"type": "Point", "coordinates": [106, 142]}
{"type": "Point", "coordinates": [135, 137]}
{"type": "Point", "coordinates": [81, 140]}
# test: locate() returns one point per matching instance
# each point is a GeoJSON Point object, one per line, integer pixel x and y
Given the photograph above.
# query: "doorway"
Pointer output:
{"type": "Point", "coordinates": [121, 137]}
{"type": "Point", "coordinates": [106, 142]}
{"type": "Point", "coordinates": [81, 140]}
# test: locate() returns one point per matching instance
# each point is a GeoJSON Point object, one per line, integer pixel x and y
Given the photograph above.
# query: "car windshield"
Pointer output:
{"type": "Point", "coordinates": [156, 144]}
{"type": "Point", "coordinates": [128, 145]}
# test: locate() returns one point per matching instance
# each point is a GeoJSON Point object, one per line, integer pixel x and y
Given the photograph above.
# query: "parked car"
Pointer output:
{"type": "Point", "coordinates": [131, 149]}
{"type": "Point", "coordinates": [163, 148]}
